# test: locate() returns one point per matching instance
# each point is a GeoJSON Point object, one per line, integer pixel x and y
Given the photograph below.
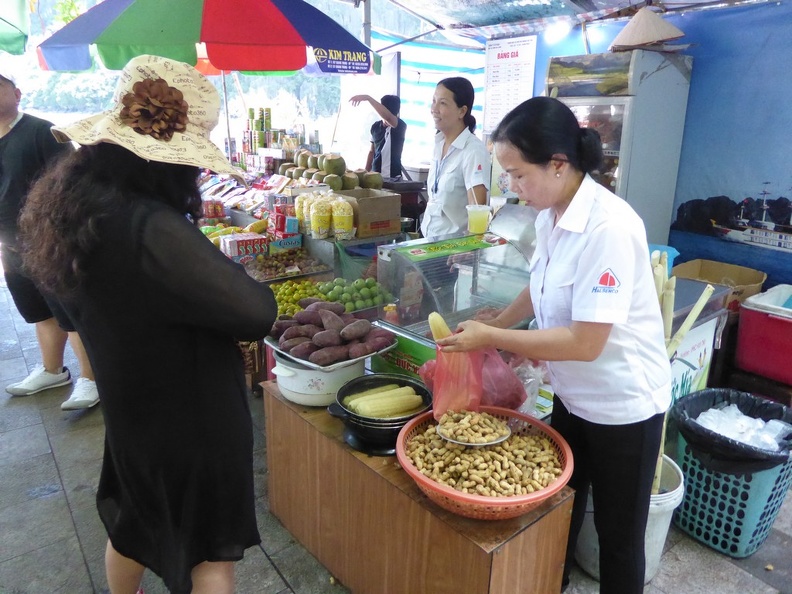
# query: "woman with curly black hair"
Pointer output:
{"type": "Point", "coordinates": [111, 230]}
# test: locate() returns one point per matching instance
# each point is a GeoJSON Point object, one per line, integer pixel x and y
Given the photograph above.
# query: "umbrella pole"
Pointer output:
{"type": "Point", "coordinates": [227, 117]}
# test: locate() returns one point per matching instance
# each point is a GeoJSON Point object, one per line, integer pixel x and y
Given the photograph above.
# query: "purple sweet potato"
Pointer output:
{"type": "Point", "coordinates": [357, 329]}
{"type": "Point", "coordinates": [304, 350]}
{"type": "Point", "coordinates": [377, 332]}
{"type": "Point", "coordinates": [360, 349]}
{"type": "Point", "coordinates": [288, 345]}
{"type": "Point", "coordinates": [327, 338]}
{"type": "Point", "coordinates": [329, 355]}
{"type": "Point", "coordinates": [280, 326]}
{"type": "Point", "coordinates": [378, 343]}
{"type": "Point", "coordinates": [330, 320]}
{"type": "Point", "coordinates": [308, 317]}
{"type": "Point", "coordinates": [336, 308]}
{"type": "Point", "coordinates": [306, 301]}
{"type": "Point", "coordinates": [307, 330]}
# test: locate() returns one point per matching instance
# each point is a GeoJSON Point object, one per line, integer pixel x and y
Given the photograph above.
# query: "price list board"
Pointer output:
{"type": "Point", "coordinates": [510, 68]}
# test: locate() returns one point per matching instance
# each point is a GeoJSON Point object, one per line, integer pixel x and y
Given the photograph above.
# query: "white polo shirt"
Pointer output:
{"type": "Point", "coordinates": [593, 266]}
{"type": "Point", "coordinates": [466, 165]}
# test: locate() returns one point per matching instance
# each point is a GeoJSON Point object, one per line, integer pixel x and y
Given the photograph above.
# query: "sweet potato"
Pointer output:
{"type": "Point", "coordinates": [306, 301]}
{"type": "Point", "coordinates": [377, 332]}
{"type": "Point", "coordinates": [378, 343]}
{"type": "Point", "coordinates": [336, 308]}
{"type": "Point", "coordinates": [329, 355]}
{"type": "Point", "coordinates": [288, 345]}
{"type": "Point", "coordinates": [308, 317]}
{"type": "Point", "coordinates": [360, 349]}
{"type": "Point", "coordinates": [327, 338]}
{"type": "Point", "coordinates": [330, 320]}
{"type": "Point", "coordinates": [348, 317]}
{"type": "Point", "coordinates": [304, 350]}
{"type": "Point", "coordinates": [279, 327]}
{"type": "Point", "coordinates": [357, 329]}
{"type": "Point", "coordinates": [284, 317]}
{"type": "Point", "coordinates": [307, 330]}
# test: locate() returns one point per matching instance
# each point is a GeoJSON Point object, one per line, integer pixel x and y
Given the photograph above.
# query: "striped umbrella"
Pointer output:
{"type": "Point", "coordinates": [245, 35]}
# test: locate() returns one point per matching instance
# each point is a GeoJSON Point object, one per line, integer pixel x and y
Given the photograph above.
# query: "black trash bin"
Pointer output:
{"type": "Point", "coordinates": [733, 491]}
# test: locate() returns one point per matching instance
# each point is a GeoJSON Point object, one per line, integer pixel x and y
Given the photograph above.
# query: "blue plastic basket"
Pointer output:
{"type": "Point", "coordinates": [731, 513]}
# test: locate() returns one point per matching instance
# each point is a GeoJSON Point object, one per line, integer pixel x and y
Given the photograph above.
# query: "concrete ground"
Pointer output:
{"type": "Point", "coordinates": [51, 539]}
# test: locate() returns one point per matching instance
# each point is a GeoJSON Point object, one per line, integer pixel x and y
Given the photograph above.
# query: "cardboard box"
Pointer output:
{"type": "Point", "coordinates": [285, 243]}
{"type": "Point", "coordinates": [377, 212]}
{"type": "Point", "coordinates": [743, 281]}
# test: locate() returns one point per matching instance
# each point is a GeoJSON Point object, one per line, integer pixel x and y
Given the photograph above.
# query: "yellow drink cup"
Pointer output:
{"type": "Point", "coordinates": [478, 218]}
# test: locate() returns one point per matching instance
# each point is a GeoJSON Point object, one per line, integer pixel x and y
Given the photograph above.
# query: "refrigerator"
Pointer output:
{"type": "Point", "coordinates": [636, 100]}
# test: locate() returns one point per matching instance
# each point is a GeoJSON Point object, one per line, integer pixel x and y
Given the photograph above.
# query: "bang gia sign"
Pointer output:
{"type": "Point", "coordinates": [342, 61]}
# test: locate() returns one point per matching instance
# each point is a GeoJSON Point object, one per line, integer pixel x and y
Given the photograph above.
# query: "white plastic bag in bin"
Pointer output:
{"type": "Point", "coordinates": [776, 301]}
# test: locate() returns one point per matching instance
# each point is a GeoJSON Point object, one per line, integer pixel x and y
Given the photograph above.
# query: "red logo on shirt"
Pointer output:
{"type": "Point", "coordinates": [607, 283]}
{"type": "Point", "coordinates": [479, 167]}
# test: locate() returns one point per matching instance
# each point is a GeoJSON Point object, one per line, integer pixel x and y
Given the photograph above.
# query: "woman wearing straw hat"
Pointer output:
{"type": "Point", "coordinates": [111, 231]}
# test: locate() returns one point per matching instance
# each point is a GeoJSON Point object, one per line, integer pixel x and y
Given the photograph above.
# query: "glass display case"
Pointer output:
{"type": "Point", "coordinates": [460, 276]}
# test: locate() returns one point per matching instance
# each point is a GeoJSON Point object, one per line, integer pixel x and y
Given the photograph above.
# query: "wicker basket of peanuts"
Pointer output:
{"type": "Point", "coordinates": [529, 463]}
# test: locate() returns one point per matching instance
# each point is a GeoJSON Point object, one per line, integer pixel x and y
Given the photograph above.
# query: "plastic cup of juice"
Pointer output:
{"type": "Point", "coordinates": [478, 218]}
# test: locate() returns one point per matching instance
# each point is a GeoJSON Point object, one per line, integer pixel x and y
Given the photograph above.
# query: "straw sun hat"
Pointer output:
{"type": "Point", "coordinates": [164, 111]}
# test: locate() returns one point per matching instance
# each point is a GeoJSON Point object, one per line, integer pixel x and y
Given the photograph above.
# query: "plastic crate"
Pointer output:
{"type": "Point", "coordinates": [731, 513]}
{"type": "Point", "coordinates": [764, 335]}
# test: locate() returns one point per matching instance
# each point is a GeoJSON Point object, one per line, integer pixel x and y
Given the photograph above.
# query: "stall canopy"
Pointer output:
{"type": "Point", "coordinates": [14, 26]}
{"type": "Point", "coordinates": [491, 19]}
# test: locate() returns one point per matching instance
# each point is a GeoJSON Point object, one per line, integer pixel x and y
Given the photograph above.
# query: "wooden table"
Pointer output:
{"type": "Point", "coordinates": [367, 522]}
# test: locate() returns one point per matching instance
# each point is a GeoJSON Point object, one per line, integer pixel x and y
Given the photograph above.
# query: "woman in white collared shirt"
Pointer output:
{"type": "Point", "coordinates": [600, 329]}
{"type": "Point", "coordinates": [460, 170]}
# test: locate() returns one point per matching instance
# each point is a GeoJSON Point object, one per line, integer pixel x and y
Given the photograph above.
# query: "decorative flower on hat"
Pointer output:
{"type": "Point", "coordinates": [155, 109]}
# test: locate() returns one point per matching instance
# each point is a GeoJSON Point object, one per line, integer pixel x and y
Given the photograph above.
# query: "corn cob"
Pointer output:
{"type": "Point", "coordinates": [225, 231]}
{"type": "Point", "coordinates": [352, 397]}
{"type": "Point", "coordinates": [438, 326]}
{"type": "Point", "coordinates": [389, 406]}
{"type": "Point", "coordinates": [257, 226]}
{"type": "Point", "coordinates": [389, 393]}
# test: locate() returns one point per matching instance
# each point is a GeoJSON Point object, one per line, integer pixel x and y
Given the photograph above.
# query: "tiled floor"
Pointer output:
{"type": "Point", "coordinates": [51, 539]}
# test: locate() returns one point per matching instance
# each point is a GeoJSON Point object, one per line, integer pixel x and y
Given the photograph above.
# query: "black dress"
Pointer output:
{"type": "Point", "coordinates": [159, 315]}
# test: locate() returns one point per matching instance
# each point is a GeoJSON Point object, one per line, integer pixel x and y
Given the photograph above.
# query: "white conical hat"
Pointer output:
{"type": "Point", "coordinates": [645, 28]}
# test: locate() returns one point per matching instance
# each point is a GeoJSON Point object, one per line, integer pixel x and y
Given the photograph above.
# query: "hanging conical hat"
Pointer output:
{"type": "Point", "coordinates": [645, 28]}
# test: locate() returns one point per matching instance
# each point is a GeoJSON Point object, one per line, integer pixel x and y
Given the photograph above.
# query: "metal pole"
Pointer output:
{"type": "Point", "coordinates": [228, 117]}
{"type": "Point", "coordinates": [367, 22]}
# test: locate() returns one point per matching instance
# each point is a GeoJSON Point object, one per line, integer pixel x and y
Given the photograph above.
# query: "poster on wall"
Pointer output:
{"type": "Point", "coordinates": [510, 68]}
{"type": "Point", "coordinates": [734, 189]}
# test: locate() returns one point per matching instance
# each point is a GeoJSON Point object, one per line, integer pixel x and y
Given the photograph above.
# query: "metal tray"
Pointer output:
{"type": "Point", "coordinates": [272, 343]}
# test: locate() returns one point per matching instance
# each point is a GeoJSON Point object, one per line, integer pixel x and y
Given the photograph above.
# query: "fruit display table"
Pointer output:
{"type": "Point", "coordinates": [368, 523]}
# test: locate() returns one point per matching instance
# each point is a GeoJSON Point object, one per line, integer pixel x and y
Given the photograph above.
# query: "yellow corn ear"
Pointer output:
{"type": "Point", "coordinates": [438, 326]}
{"type": "Point", "coordinates": [385, 394]}
{"type": "Point", "coordinates": [389, 406]}
{"type": "Point", "coordinates": [257, 226]}
{"type": "Point", "coordinates": [379, 389]}
{"type": "Point", "coordinates": [225, 231]}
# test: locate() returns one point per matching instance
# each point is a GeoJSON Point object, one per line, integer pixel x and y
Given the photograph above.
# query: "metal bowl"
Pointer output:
{"type": "Point", "coordinates": [407, 224]}
{"type": "Point", "coordinates": [374, 432]}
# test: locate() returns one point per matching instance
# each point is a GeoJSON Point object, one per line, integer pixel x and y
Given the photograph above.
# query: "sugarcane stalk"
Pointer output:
{"type": "Point", "coordinates": [659, 466]}
{"type": "Point", "coordinates": [667, 307]}
{"type": "Point", "coordinates": [691, 318]}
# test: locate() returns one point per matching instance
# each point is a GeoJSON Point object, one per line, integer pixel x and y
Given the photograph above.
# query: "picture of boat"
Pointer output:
{"type": "Point", "coordinates": [761, 232]}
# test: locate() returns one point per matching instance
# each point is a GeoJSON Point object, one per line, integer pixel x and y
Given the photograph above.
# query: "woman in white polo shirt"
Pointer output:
{"type": "Point", "coordinates": [460, 170]}
{"type": "Point", "coordinates": [600, 329]}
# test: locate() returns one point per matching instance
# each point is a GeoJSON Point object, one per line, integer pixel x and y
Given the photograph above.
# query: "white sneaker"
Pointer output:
{"type": "Point", "coordinates": [84, 395]}
{"type": "Point", "coordinates": [38, 380]}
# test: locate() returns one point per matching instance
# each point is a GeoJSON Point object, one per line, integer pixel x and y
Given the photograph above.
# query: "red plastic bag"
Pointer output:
{"type": "Point", "coordinates": [454, 380]}
{"type": "Point", "coordinates": [501, 384]}
{"type": "Point", "coordinates": [465, 381]}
